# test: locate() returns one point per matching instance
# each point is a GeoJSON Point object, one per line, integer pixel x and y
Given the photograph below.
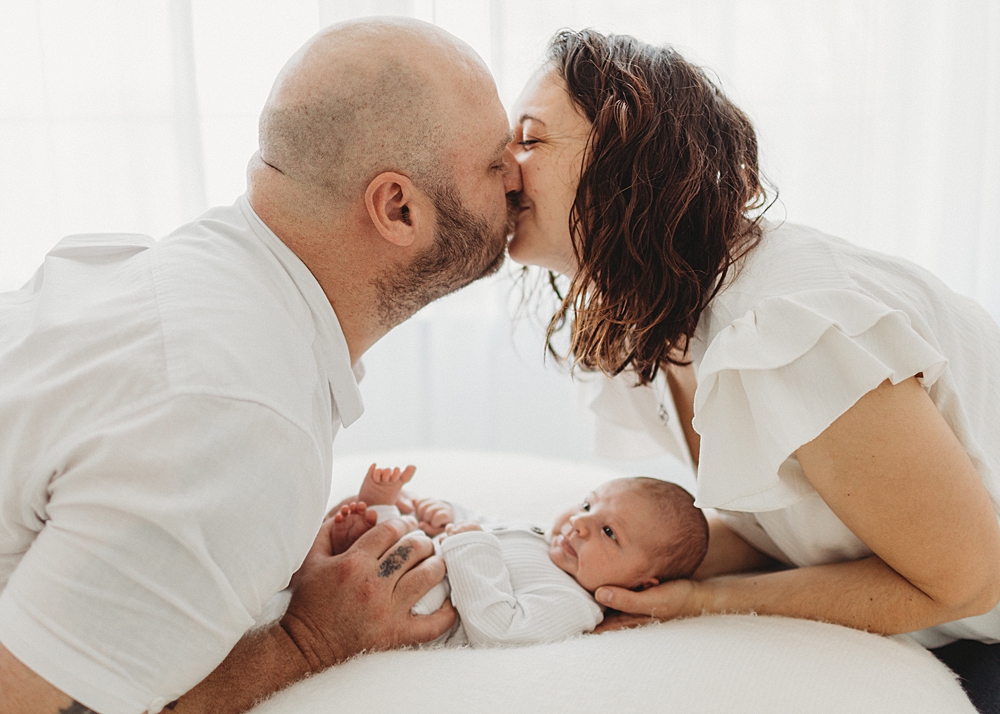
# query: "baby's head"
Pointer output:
{"type": "Point", "coordinates": [630, 532]}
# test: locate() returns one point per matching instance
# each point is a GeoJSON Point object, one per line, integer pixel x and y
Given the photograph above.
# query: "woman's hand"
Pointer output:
{"type": "Point", "coordinates": [675, 598]}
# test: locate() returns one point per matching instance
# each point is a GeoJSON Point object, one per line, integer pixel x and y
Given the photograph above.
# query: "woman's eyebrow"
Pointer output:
{"type": "Point", "coordinates": [529, 116]}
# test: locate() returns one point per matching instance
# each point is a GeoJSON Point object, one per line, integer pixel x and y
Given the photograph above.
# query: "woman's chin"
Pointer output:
{"type": "Point", "coordinates": [520, 251]}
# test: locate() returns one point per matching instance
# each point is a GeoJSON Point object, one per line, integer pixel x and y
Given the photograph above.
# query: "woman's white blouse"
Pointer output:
{"type": "Point", "coordinates": [806, 327]}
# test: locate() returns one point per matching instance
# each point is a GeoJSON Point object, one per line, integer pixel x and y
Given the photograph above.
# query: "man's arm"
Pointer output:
{"type": "Point", "coordinates": [342, 605]}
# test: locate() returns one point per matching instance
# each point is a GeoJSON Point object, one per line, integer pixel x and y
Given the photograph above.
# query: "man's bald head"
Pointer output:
{"type": "Point", "coordinates": [369, 96]}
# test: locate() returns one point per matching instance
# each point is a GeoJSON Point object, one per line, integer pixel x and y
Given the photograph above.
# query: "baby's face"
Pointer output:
{"type": "Point", "coordinates": [606, 539]}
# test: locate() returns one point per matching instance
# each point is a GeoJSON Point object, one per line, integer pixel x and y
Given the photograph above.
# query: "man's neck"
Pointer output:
{"type": "Point", "coordinates": [334, 252]}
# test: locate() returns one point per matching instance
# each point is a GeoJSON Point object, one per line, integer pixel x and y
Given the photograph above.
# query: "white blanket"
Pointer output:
{"type": "Point", "coordinates": [724, 663]}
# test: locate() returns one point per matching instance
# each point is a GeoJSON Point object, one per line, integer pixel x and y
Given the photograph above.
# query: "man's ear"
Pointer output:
{"type": "Point", "coordinates": [396, 207]}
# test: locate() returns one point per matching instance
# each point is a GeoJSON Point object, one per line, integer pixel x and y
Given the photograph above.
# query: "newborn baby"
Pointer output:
{"type": "Point", "coordinates": [518, 584]}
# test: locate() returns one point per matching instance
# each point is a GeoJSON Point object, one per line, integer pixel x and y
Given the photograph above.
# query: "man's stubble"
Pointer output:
{"type": "Point", "coordinates": [466, 248]}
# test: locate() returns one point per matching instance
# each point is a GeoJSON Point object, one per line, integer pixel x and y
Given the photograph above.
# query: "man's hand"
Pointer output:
{"type": "Point", "coordinates": [360, 601]}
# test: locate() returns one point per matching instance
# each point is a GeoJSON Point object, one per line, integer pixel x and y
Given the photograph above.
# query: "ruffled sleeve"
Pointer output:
{"type": "Point", "coordinates": [775, 378]}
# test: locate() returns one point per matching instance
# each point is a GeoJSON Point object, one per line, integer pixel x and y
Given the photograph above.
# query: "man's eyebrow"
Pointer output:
{"type": "Point", "coordinates": [529, 116]}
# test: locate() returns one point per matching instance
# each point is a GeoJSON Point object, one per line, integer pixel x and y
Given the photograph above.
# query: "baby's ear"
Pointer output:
{"type": "Point", "coordinates": [647, 583]}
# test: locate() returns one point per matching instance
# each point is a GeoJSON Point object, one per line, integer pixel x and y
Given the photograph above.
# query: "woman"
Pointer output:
{"type": "Point", "coordinates": [844, 417]}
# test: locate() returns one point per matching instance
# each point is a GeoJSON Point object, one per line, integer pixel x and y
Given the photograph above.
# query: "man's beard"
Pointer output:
{"type": "Point", "coordinates": [465, 249]}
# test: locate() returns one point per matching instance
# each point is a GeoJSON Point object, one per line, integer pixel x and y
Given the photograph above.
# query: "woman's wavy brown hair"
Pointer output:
{"type": "Point", "coordinates": [662, 211]}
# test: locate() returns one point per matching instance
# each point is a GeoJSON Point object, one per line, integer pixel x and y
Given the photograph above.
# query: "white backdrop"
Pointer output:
{"type": "Point", "coordinates": [879, 121]}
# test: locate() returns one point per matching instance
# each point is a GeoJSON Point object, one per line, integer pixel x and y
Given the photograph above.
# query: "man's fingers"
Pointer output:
{"type": "Point", "coordinates": [404, 555]}
{"type": "Point", "coordinates": [424, 628]}
{"type": "Point", "coordinates": [381, 537]}
{"type": "Point", "coordinates": [419, 580]}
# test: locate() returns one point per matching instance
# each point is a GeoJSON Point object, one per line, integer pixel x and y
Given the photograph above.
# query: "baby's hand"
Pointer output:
{"type": "Point", "coordinates": [456, 528]}
{"type": "Point", "coordinates": [433, 515]}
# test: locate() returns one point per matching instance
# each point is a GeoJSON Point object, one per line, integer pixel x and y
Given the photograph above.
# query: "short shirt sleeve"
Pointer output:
{"type": "Point", "coordinates": [778, 376]}
{"type": "Point", "coordinates": [164, 537]}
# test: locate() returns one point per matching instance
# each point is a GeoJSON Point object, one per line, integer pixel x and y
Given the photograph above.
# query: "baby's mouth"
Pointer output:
{"type": "Point", "coordinates": [565, 544]}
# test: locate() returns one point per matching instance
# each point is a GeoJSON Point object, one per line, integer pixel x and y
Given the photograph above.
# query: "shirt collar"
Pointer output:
{"type": "Point", "coordinates": [343, 379]}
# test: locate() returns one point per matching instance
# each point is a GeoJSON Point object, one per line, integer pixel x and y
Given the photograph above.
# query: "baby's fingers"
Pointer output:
{"type": "Point", "coordinates": [441, 518]}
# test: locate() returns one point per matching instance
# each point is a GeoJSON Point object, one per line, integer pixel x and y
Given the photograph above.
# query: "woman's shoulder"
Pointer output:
{"type": "Point", "coordinates": [793, 260]}
{"type": "Point", "coordinates": [790, 257]}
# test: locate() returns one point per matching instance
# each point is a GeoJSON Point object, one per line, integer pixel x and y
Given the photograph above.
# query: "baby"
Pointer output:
{"type": "Point", "coordinates": [515, 584]}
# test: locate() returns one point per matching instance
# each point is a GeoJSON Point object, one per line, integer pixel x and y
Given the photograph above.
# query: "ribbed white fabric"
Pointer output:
{"type": "Point", "coordinates": [505, 587]}
{"type": "Point", "coordinates": [508, 592]}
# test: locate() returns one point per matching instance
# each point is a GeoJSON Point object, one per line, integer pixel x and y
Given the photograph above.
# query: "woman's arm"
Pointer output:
{"type": "Point", "coordinates": [895, 474]}
{"type": "Point", "coordinates": [728, 553]}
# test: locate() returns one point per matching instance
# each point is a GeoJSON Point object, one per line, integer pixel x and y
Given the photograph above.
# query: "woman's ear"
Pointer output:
{"type": "Point", "coordinates": [395, 207]}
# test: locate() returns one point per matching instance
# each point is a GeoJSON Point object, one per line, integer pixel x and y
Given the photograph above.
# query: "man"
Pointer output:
{"type": "Point", "coordinates": [167, 410]}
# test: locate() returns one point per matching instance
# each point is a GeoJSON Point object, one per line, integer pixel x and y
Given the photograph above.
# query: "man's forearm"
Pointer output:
{"type": "Point", "coordinates": [864, 594]}
{"type": "Point", "coordinates": [259, 665]}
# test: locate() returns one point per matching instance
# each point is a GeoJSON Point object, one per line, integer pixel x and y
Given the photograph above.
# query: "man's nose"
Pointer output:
{"type": "Point", "coordinates": [511, 172]}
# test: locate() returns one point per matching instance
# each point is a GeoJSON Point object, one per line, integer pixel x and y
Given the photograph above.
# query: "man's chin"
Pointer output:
{"type": "Point", "coordinates": [493, 267]}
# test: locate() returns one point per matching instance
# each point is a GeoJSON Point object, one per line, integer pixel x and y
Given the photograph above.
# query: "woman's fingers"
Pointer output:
{"type": "Point", "coordinates": [663, 602]}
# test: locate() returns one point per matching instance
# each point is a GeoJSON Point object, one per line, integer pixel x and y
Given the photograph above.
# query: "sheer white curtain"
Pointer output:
{"type": "Point", "coordinates": [879, 121]}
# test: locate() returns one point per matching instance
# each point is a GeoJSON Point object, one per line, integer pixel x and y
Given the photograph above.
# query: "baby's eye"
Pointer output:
{"type": "Point", "coordinates": [586, 506]}
{"type": "Point", "coordinates": [609, 533]}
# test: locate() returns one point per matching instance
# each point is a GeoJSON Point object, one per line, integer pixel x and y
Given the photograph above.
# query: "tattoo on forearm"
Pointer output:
{"type": "Point", "coordinates": [76, 708]}
{"type": "Point", "coordinates": [394, 561]}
